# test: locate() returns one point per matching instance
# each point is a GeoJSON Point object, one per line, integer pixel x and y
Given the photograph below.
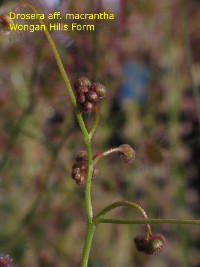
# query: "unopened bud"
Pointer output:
{"type": "Point", "coordinates": [99, 89]}
{"type": "Point", "coordinates": [79, 172]}
{"type": "Point", "coordinates": [81, 99]}
{"type": "Point", "coordinates": [150, 246]}
{"type": "Point", "coordinates": [92, 96]}
{"type": "Point", "coordinates": [155, 244]}
{"type": "Point", "coordinates": [127, 153]}
{"type": "Point", "coordinates": [140, 243]}
{"type": "Point", "coordinates": [82, 81]}
{"type": "Point", "coordinates": [81, 155]}
{"type": "Point", "coordinates": [82, 90]}
{"type": "Point", "coordinates": [88, 107]}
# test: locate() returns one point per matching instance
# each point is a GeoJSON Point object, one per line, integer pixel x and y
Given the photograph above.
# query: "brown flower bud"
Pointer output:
{"type": "Point", "coordinates": [79, 173]}
{"type": "Point", "coordinates": [99, 89]}
{"type": "Point", "coordinates": [81, 155]}
{"type": "Point", "coordinates": [82, 90]}
{"type": "Point", "coordinates": [155, 244]}
{"type": "Point", "coordinates": [92, 96]}
{"type": "Point", "coordinates": [140, 243]}
{"type": "Point", "coordinates": [127, 154]}
{"type": "Point", "coordinates": [80, 99]}
{"type": "Point", "coordinates": [88, 107]}
{"type": "Point", "coordinates": [82, 81]}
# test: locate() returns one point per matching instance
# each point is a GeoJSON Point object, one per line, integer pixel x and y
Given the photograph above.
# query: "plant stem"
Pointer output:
{"type": "Point", "coordinates": [88, 184]}
{"type": "Point", "coordinates": [117, 204]}
{"type": "Point", "coordinates": [101, 155]}
{"type": "Point", "coordinates": [73, 100]}
{"type": "Point", "coordinates": [95, 123]}
{"type": "Point", "coordinates": [190, 59]}
{"type": "Point", "coordinates": [90, 225]}
{"type": "Point", "coordinates": [145, 221]}
{"type": "Point", "coordinates": [62, 70]}
{"type": "Point", "coordinates": [87, 245]}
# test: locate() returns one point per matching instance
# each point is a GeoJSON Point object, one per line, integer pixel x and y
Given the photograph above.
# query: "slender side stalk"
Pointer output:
{"type": "Point", "coordinates": [145, 221]}
{"type": "Point", "coordinates": [101, 155]}
{"type": "Point", "coordinates": [95, 123]}
{"type": "Point", "coordinates": [190, 58]}
{"type": "Point", "coordinates": [117, 204]}
{"type": "Point", "coordinates": [87, 245]}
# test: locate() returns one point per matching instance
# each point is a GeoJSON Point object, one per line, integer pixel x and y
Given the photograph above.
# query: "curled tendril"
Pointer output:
{"type": "Point", "coordinates": [127, 153]}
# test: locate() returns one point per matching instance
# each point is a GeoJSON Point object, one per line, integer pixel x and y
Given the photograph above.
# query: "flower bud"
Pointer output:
{"type": "Point", "coordinates": [99, 89]}
{"type": "Point", "coordinates": [92, 96]}
{"type": "Point", "coordinates": [5, 261]}
{"type": "Point", "coordinates": [88, 107]}
{"type": "Point", "coordinates": [127, 153]}
{"type": "Point", "coordinates": [82, 90]}
{"type": "Point", "coordinates": [81, 155]}
{"type": "Point", "coordinates": [155, 244]}
{"type": "Point", "coordinates": [80, 99]}
{"type": "Point", "coordinates": [140, 243]}
{"type": "Point", "coordinates": [79, 173]}
{"type": "Point", "coordinates": [82, 81]}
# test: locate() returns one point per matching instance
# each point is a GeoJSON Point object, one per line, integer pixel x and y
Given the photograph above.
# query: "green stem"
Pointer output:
{"type": "Point", "coordinates": [190, 59]}
{"type": "Point", "coordinates": [117, 204]}
{"type": "Point", "coordinates": [108, 152]}
{"type": "Point", "coordinates": [78, 114]}
{"type": "Point", "coordinates": [88, 184]}
{"type": "Point", "coordinates": [90, 227]}
{"type": "Point", "coordinates": [62, 70]}
{"type": "Point", "coordinates": [87, 245]}
{"type": "Point", "coordinates": [95, 123]}
{"type": "Point", "coordinates": [145, 221]}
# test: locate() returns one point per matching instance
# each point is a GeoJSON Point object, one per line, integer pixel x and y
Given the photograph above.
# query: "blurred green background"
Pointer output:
{"type": "Point", "coordinates": [141, 59]}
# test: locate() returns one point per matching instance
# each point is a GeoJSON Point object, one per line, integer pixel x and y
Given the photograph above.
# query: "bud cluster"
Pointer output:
{"type": "Point", "coordinates": [88, 94]}
{"type": "Point", "coordinates": [5, 261]}
{"type": "Point", "coordinates": [79, 169]}
{"type": "Point", "coordinates": [150, 246]}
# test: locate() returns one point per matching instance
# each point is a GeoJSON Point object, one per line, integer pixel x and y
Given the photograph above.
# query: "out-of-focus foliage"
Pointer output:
{"type": "Point", "coordinates": [140, 58]}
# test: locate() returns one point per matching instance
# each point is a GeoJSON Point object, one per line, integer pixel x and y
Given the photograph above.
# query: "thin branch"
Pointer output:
{"type": "Point", "coordinates": [145, 221]}
{"type": "Point", "coordinates": [99, 216]}
{"type": "Point", "coordinates": [95, 123]}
